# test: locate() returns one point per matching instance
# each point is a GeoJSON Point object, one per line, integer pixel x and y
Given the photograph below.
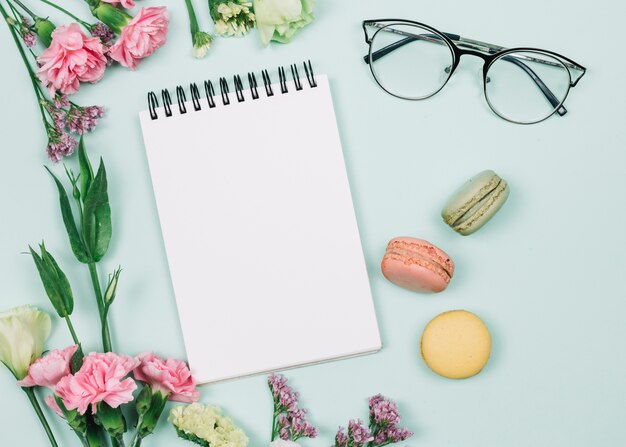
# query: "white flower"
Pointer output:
{"type": "Point", "coordinates": [23, 333]}
{"type": "Point", "coordinates": [232, 17]}
{"type": "Point", "coordinates": [201, 44]}
{"type": "Point", "coordinates": [283, 443]}
{"type": "Point", "coordinates": [221, 28]}
{"type": "Point", "coordinates": [198, 421]}
{"type": "Point", "coordinates": [280, 20]}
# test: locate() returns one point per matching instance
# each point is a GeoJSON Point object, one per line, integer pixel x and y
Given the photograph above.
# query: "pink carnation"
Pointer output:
{"type": "Point", "coordinates": [126, 4]}
{"type": "Point", "coordinates": [146, 32]}
{"type": "Point", "coordinates": [52, 403]}
{"type": "Point", "coordinates": [49, 369]}
{"type": "Point", "coordinates": [71, 58]}
{"type": "Point", "coordinates": [100, 379]}
{"type": "Point", "coordinates": [171, 377]}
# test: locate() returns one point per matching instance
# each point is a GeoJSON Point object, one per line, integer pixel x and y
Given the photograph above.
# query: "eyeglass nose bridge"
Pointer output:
{"type": "Point", "coordinates": [459, 53]}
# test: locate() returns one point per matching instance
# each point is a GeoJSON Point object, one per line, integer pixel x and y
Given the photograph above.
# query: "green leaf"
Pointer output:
{"type": "Point", "coordinates": [86, 172]}
{"type": "Point", "coordinates": [51, 283]}
{"type": "Point", "coordinates": [97, 228]}
{"type": "Point", "coordinates": [62, 282]}
{"type": "Point", "coordinates": [191, 437]}
{"type": "Point", "coordinates": [77, 360]}
{"type": "Point", "coordinates": [78, 247]}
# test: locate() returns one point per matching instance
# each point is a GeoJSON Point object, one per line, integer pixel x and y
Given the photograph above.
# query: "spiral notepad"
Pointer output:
{"type": "Point", "coordinates": [258, 223]}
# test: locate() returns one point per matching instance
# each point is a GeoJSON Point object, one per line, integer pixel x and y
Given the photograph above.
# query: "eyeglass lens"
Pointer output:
{"type": "Point", "coordinates": [413, 62]}
{"type": "Point", "coordinates": [409, 61]}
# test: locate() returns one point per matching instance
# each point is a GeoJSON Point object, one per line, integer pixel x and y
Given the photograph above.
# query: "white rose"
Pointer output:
{"type": "Point", "coordinates": [23, 334]}
{"type": "Point", "coordinates": [280, 19]}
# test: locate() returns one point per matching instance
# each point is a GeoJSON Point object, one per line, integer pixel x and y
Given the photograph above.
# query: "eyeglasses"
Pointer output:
{"type": "Point", "coordinates": [414, 61]}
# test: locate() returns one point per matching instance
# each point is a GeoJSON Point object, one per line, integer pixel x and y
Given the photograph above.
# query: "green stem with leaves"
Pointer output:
{"type": "Point", "coordinates": [30, 392]}
{"type": "Point", "coordinates": [95, 281]}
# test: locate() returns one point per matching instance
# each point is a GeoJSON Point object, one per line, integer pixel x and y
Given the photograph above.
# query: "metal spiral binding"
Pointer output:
{"type": "Point", "coordinates": [268, 83]}
{"type": "Point", "coordinates": [224, 90]}
{"type": "Point", "coordinates": [296, 77]}
{"type": "Point", "coordinates": [253, 85]}
{"type": "Point", "coordinates": [209, 91]}
{"type": "Point", "coordinates": [283, 80]}
{"type": "Point", "coordinates": [182, 99]}
{"type": "Point", "coordinates": [238, 88]}
{"type": "Point", "coordinates": [167, 102]}
{"type": "Point", "coordinates": [195, 96]}
{"type": "Point", "coordinates": [309, 74]}
{"type": "Point", "coordinates": [153, 103]}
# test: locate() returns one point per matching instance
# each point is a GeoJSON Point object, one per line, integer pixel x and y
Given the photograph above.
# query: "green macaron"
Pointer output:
{"type": "Point", "coordinates": [475, 202]}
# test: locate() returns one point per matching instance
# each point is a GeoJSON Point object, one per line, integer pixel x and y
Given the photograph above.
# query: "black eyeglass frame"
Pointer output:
{"type": "Point", "coordinates": [489, 53]}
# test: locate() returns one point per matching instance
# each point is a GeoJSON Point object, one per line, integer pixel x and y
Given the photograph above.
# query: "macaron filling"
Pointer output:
{"type": "Point", "coordinates": [421, 255]}
{"type": "Point", "coordinates": [479, 208]}
{"type": "Point", "coordinates": [451, 216]}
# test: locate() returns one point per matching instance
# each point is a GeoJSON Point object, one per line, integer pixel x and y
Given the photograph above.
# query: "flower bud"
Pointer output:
{"type": "Point", "coordinates": [109, 294]}
{"type": "Point", "coordinates": [201, 44]}
{"type": "Point", "coordinates": [151, 413]}
{"type": "Point", "coordinates": [111, 419]}
{"type": "Point", "coordinates": [44, 28]}
{"type": "Point", "coordinates": [113, 17]}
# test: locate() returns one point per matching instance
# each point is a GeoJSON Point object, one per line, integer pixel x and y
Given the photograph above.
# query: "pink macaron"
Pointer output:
{"type": "Point", "coordinates": [417, 265]}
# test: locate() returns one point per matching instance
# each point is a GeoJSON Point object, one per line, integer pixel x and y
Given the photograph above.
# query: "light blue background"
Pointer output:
{"type": "Point", "coordinates": [545, 275]}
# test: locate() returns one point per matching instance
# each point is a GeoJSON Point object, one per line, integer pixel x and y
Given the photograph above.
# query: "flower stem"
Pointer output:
{"type": "Point", "coordinates": [30, 392]}
{"type": "Point", "coordinates": [66, 12]}
{"type": "Point", "coordinates": [31, 73]}
{"type": "Point", "coordinates": [70, 326]}
{"type": "Point", "coordinates": [136, 441]}
{"type": "Point", "coordinates": [28, 11]}
{"type": "Point", "coordinates": [95, 281]}
{"type": "Point", "coordinates": [193, 20]}
{"type": "Point", "coordinates": [275, 413]}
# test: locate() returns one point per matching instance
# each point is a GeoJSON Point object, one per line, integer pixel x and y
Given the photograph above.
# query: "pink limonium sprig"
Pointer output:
{"type": "Point", "coordinates": [289, 422]}
{"type": "Point", "coordinates": [383, 429]}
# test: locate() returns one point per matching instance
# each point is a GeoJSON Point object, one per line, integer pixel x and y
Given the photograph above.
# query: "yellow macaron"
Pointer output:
{"type": "Point", "coordinates": [456, 344]}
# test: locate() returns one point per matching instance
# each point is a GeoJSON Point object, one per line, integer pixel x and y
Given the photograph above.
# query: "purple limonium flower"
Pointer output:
{"type": "Point", "coordinates": [61, 101]}
{"type": "Point", "coordinates": [358, 433]}
{"type": "Point", "coordinates": [83, 119]}
{"type": "Point", "coordinates": [285, 399]}
{"type": "Point", "coordinates": [27, 34]}
{"type": "Point", "coordinates": [390, 435]}
{"type": "Point", "coordinates": [283, 427]}
{"type": "Point", "coordinates": [300, 426]}
{"type": "Point", "coordinates": [60, 144]}
{"type": "Point", "coordinates": [383, 412]}
{"type": "Point", "coordinates": [290, 422]}
{"type": "Point", "coordinates": [341, 438]}
{"type": "Point", "coordinates": [103, 32]}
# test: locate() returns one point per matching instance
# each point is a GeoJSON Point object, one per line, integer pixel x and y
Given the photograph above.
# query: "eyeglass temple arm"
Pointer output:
{"type": "Point", "coordinates": [376, 55]}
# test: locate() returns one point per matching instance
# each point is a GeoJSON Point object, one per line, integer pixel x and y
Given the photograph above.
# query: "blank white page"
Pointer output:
{"type": "Point", "coordinates": [260, 232]}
